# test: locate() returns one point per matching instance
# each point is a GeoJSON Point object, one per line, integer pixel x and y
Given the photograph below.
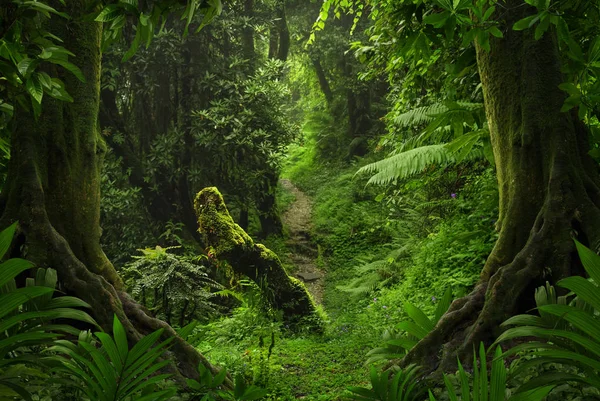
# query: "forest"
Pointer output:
{"type": "Point", "coordinates": [392, 200]}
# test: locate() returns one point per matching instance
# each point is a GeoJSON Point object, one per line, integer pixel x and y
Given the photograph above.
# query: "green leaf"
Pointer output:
{"type": "Point", "coordinates": [120, 338]}
{"type": "Point", "coordinates": [498, 377]}
{"type": "Point", "coordinates": [542, 26]}
{"type": "Point", "coordinates": [571, 102]}
{"type": "Point", "coordinates": [109, 13]}
{"type": "Point", "coordinates": [496, 32]}
{"type": "Point", "coordinates": [590, 261]}
{"type": "Point", "coordinates": [525, 23]}
{"type": "Point", "coordinates": [488, 13]}
{"type": "Point", "coordinates": [72, 68]}
{"type": "Point", "coordinates": [134, 45]}
{"type": "Point", "coordinates": [35, 88]}
{"type": "Point", "coordinates": [418, 316]}
{"type": "Point", "coordinates": [438, 20]}
{"type": "Point", "coordinates": [413, 329]}
{"type": "Point", "coordinates": [443, 305]}
{"type": "Point", "coordinates": [26, 66]}
{"type": "Point", "coordinates": [6, 237]}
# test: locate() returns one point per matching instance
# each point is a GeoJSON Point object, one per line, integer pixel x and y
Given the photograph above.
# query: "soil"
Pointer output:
{"type": "Point", "coordinates": [303, 252]}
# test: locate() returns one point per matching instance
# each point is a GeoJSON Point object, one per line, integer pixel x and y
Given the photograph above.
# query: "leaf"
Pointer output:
{"type": "Point", "coordinates": [109, 13]}
{"type": "Point", "coordinates": [571, 102]}
{"type": "Point", "coordinates": [525, 22]}
{"type": "Point", "coordinates": [134, 45]}
{"type": "Point", "coordinates": [72, 68]}
{"type": "Point", "coordinates": [443, 305]}
{"type": "Point", "coordinates": [496, 32]}
{"type": "Point", "coordinates": [35, 88]}
{"type": "Point", "coordinates": [418, 316]}
{"type": "Point", "coordinates": [26, 66]}
{"type": "Point", "coordinates": [6, 237]}
{"type": "Point", "coordinates": [438, 20]}
{"type": "Point", "coordinates": [590, 261]}
{"type": "Point", "coordinates": [120, 338]}
{"type": "Point", "coordinates": [488, 13]}
{"type": "Point", "coordinates": [542, 26]}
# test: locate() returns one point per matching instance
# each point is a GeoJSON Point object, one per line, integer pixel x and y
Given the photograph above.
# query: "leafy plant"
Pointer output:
{"type": "Point", "coordinates": [114, 372]}
{"type": "Point", "coordinates": [567, 328]}
{"type": "Point", "coordinates": [26, 316]}
{"type": "Point", "coordinates": [443, 141]}
{"type": "Point", "coordinates": [404, 386]}
{"type": "Point", "coordinates": [480, 387]}
{"type": "Point", "coordinates": [170, 284]}
{"type": "Point", "coordinates": [411, 331]}
{"type": "Point", "coordinates": [209, 387]}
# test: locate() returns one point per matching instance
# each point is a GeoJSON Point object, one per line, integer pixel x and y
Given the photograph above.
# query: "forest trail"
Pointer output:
{"type": "Point", "coordinates": [303, 252]}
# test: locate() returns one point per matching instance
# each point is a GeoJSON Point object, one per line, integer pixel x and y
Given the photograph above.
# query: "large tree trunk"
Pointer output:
{"type": "Point", "coordinates": [53, 190]}
{"type": "Point", "coordinates": [549, 191]}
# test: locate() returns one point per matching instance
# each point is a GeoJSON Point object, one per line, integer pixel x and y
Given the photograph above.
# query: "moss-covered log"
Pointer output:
{"type": "Point", "coordinates": [53, 190]}
{"type": "Point", "coordinates": [231, 243]}
{"type": "Point", "coordinates": [549, 191]}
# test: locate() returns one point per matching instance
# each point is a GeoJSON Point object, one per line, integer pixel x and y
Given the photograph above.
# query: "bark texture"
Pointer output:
{"type": "Point", "coordinates": [549, 192]}
{"type": "Point", "coordinates": [53, 190]}
{"type": "Point", "coordinates": [229, 242]}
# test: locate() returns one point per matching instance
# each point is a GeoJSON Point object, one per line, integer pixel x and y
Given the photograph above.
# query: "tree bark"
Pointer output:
{"type": "Point", "coordinates": [283, 32]}
{"type": "Point", "coordinates": [53, 190]}
{"type": "Point", "coordinates": [268, 212]}
{"type": "Point", "coordinates": [229, 242]}
{"type": "Point", "coordinates": [323, 82]}
{"type": "Point", "coordinates": [549, 191]}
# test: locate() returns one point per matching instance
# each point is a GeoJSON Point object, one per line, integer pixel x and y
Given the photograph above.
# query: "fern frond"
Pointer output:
{"type": "Point", "coordinates": [426, 114]}
{"type": "Point", "coordinates": [419, 115]}
{"type": "Point", "coordinates": [406, 164]}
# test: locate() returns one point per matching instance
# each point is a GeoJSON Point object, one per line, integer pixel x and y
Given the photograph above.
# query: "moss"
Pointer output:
{"type": "Point", "coordinates": [216, 224]}
{"type": "Point", "coordinates": [230, 242]}
{"type": "Point", "coordinates": [268, 255]}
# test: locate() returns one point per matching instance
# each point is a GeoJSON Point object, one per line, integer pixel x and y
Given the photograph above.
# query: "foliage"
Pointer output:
{"type": "Point", "coordinates": [113, 371]}
{"type": "Point", "coordinates": [170, 284]}
{"type": "Point", "coordinates": [26, 319]}
{"type": "Point", "coordinates": [247, 121]}
{"type": "Point", "coordinates": [209, 387]}
{"type": "Point", "coordinates": [125, 221]}
{"type": "Point", "coordinates": [444, 141]}
{"type": "Point", "coordinates": [480, 387]}
{"type": "Point", "coordinates": [27, 51]}
{"type": "Point", "coordinates": [567, 329]}
{"type": "Point", "coordinates": [397, 343]}
{"type": "Point", "coordinates": [403, 386]}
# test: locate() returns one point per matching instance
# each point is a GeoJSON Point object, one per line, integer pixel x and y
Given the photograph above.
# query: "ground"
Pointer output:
{"type": "Point", "coordinates": [303, 253]}
{"type": "Point", "coordinates": [302, 365]}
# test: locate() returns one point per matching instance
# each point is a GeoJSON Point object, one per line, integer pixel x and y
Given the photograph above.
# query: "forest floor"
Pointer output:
{"type": "Point", "coordinates": [301, 365]}
{"type": "Point", "coordinates": [303, 252]}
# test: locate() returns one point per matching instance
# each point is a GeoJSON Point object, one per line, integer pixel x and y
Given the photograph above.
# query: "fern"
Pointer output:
{"type": "Point", "coordinates": [406, 164]}
{"type": "Point", "coordinates": [419, 115]}
{"type": "Point", "coordinates": [442, 142]}
{"type": "Point", "coordinates": [428, 114]}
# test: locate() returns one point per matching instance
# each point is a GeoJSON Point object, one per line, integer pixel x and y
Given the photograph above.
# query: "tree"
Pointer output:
{"type": "Point", "coordinates": [53, 184]}
{"type": "Point", "coordinates": [549, 185]}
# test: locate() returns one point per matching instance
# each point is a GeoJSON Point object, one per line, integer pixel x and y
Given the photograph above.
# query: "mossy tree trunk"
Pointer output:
{"type": "Point", "coordinates": [53, 190]}
{"type": "Point", "coordinates": [229, 242]}
{"type": "Point", "coordinates": [549, 191]}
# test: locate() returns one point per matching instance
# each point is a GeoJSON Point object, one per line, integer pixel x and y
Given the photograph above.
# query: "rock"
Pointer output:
{"type": "Point", "coordinates": [308, 277]}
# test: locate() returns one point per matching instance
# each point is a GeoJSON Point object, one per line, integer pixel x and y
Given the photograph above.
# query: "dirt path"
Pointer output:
{"type": "Point", "coordinates": [303, 252]}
